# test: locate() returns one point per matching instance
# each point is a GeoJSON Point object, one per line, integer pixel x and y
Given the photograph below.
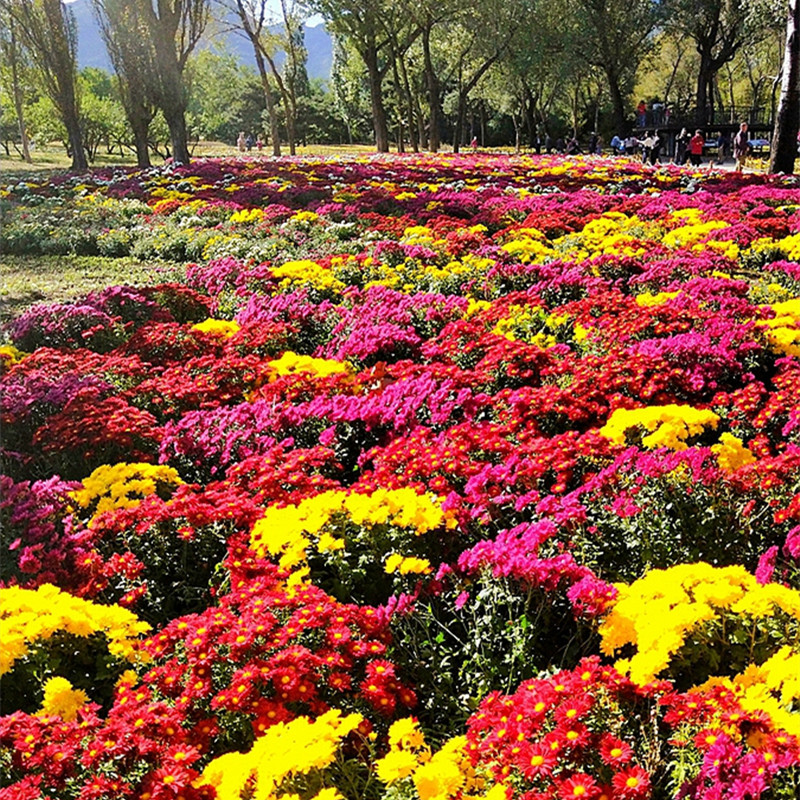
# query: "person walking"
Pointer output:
{"type": "Point", "coordinates": [241, 142]}
{"type": "Point", "coordinates": [682, 147]}
{"type": "Point", "coordinates": [647, 144]}
{"type": "Point", "coordinates": [741, 147]}
{"type": "Point", "coordinates": [696, 145]}
{"type": "Point", "coordinates": [655, 148]}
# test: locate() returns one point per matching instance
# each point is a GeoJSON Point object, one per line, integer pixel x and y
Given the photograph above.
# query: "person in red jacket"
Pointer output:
{"type": "Point", "coordinates": [696, 145]}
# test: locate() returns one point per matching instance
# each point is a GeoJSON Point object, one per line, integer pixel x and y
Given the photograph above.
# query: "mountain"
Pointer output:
{"type": "Point", "coordinates": [92, 51]}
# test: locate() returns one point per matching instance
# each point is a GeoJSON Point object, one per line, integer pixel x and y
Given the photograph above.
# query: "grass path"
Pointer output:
{"type": "Point", "coordinates": [26, 280]}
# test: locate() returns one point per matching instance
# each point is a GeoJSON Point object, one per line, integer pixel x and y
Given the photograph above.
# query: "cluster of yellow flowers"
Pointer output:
{"type": "Point", "coordinates": [476, 307]}
{"type": "Point", "coordinates": [731, 453]}
{"type": "Point", "coordinates": [62, 700]}
{"type": "Point", "coordinates": [646, 299]}
{"type": "Point", "coordinates": [304, 216]}
{"type": "Point", "coordinates": [221, 328]}
{"type": "Point", "coordinates": [526, 323]}
{"type": "Point", "coordinates": [773, 687]}
{"type": "Point", "coordinates": [245, 215]}
{"type": "Point", "coordinates": [606, 235]}
{"type": "Point", "coordinates": [123, 486]}
{"type": "Point", "coordinates": [291, 364]}
{"type": "Point", "coordinates": [669, 426]}
{"type": "Point", "coordinates": [305, 272]}
{"type": "Point", "coordinates": [693, 232]}
{"type": "Point", "coordinates": [783, 330]}
{"type": "Point", "coordinates": [28, 616]}
{"type": "Point", "coordinates": [9, 355]}
{"type": "Point", "coordinates": [530, 246]}
{"type": "Point", "coordinates": [658, 612]}
{"type": "Point", "coordinates": [285, 531]}
{"type": "Point", "coordinates": [285, 751]}
{"type": "Point", "coordinates": [437, 776]}
{"type": "Point", "coordinates": [419, 235]}
{"type": "Point", "coordinates": [789, 246]}
{"type": "Point", "coordinates": [407, 565]}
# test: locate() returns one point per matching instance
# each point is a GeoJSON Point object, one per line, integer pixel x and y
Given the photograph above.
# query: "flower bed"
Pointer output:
{"type": "Point", "coordinates": [454, 477]}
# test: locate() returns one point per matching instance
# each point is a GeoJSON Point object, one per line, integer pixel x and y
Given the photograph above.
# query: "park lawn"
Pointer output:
{"type": "Point", "coordinates": [26, 280]}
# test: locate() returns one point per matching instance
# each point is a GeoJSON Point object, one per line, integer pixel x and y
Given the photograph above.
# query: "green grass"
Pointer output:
{"type": "Point", "coordinates": [26, 280]}
{"type": "Point", "coordinates": [53, 157]}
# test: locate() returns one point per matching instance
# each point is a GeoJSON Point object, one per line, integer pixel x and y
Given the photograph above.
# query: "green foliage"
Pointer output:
{"type": "Point", "coordinates": [502, 634]}
{"type": "Point", "coordinates": [225, 97]}
{"type": "Point", "coordinates": [83, 660]}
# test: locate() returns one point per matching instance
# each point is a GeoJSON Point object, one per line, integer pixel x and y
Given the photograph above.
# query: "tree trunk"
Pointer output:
{"type": "Point", "coordinates": [420, 122]}
{"type": "Point", "coordinates": [140, 131]}
{"type": "Point", "coordinates": [704, 98]}
{"type": "Point", "coordinates": [17, 90]}
{"type": "Point", "coordinates": [272, 113]}
{"type": "Point", "coordinates": [289, 104]}
{"type": "Point", "coordinates": [617, 103]}
{"type": "Point", "coordinates": [433, 92]}
{"type": "Point", "coordinates": [463, 94]}
{"type": "Point", "coordinates": [412, 130]}
{"type": "Point", "coordinates": [401, 136]}
{"type": "Point", "coordinates": [171, 94]}
{"type": "Point", "coordinates": [176, 122]}
{"type": "Point", "coordinates": [376, 97]}
{"type": "Point", "coordinates": [530, 117]}
{"type": "Point", "coordinates": [75, 139]}
{"type": "Point", "coordinates": [575, 101]}
{"type": "Point", "coordinates": [461, 114]}
{"type": "Point", "coordinates": [63, 79]}
{"type": "Point", "coordinates": [784, 138]}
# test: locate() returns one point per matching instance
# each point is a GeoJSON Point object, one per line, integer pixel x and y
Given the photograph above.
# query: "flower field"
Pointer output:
{"type": "Point", "coordinates": [437, 478]}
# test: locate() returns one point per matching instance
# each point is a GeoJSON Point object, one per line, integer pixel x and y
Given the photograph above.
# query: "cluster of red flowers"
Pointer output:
{"type": "Point", "coordinates": [265, 654]}
{"type": "Point", "coordinates": [583, 733]}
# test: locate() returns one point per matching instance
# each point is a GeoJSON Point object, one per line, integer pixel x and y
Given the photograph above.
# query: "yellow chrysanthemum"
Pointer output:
{"type": "Point", "coordinates": [124, 486]}
{"type": "Point", "coordinates": [669, 425]}
{"type": "Point", "coordinates": [33, 615]}
{"type": "Point", "coordinates": [60, 699]}
{"type": "Point", "coordinates": [222, 328]}
{"type": "Point", "coordinates": [731, 453]}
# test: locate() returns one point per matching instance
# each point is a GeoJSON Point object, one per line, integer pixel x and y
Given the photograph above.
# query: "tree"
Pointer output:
{"type": "Point", "coordinates": [102, 116]}
{"type": "Point", "coordinates": [615, 35]}
{"type": "Point", "coordinates": [124, 30]}
{"type": "Point", "coordinates": [318, 119]}
{"type": "Point", "coordinates": [429, 14]}
{"type": "Point", "coordinates": [48, 32]}
{"type": "Point", "coordinates": [372, 27]}
{"type": "Point", "coordinates": [480, 36]}
{"type": "Point", "coordinates": [254, 16]}
{"type": "Point", "coordinates": [14, 61]}
{"type": "Point", "coordinates": [295, 77]}
{"type": "Point", "coordinates": [350, 91]}
{"type": "Point", "coordinates": [718, 29]}
{"type": "Point", "coordinates": [173, 28]}
{"type": "Point", "coordinates": [224, 96]}
{"type": "Point", "coordinates": [787, 123]}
